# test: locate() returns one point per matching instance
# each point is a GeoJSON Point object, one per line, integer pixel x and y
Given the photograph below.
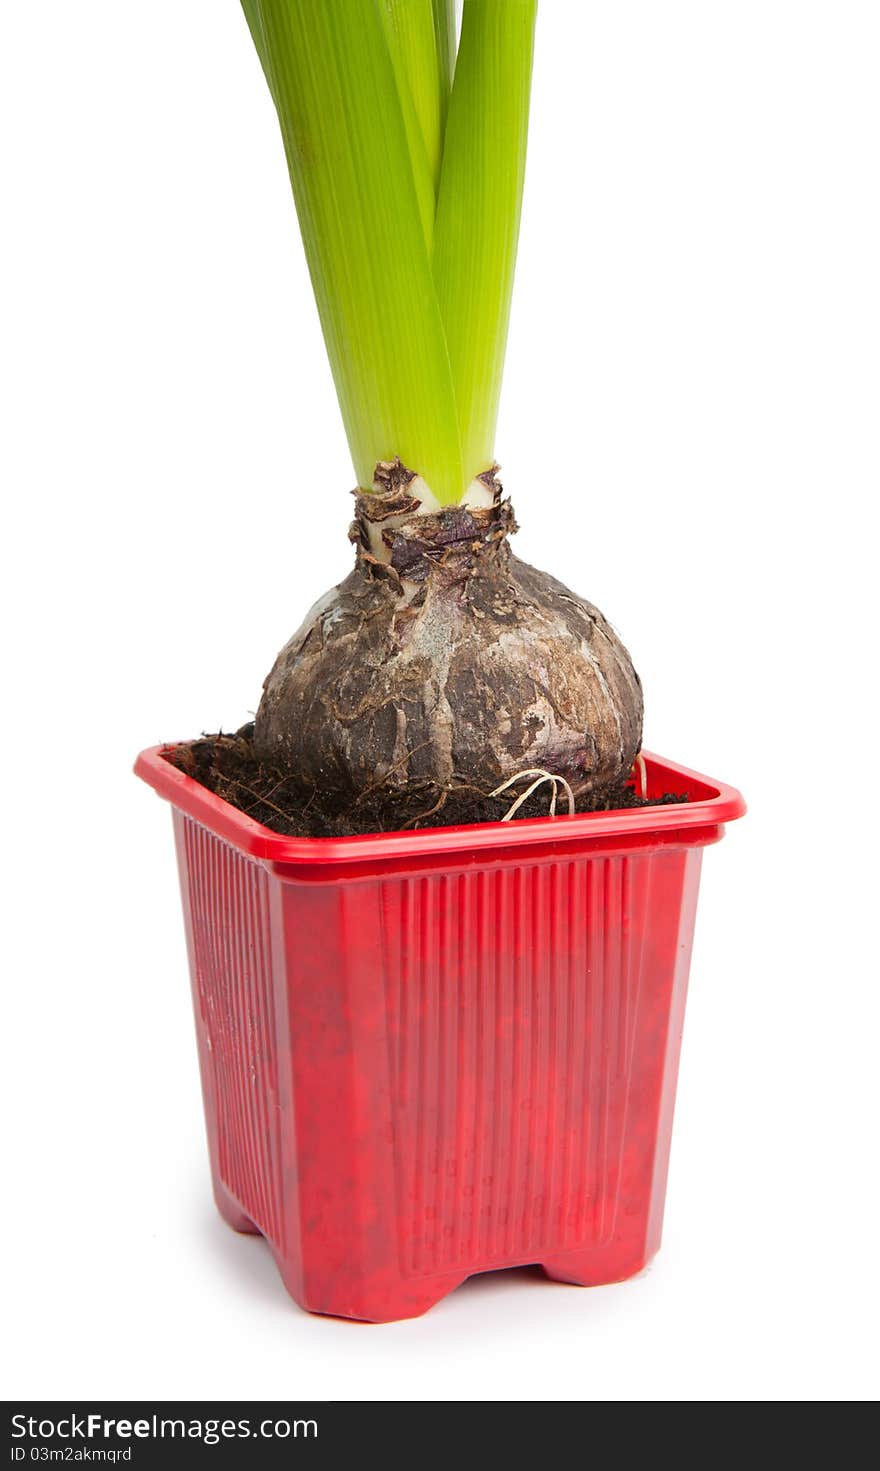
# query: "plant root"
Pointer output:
{"type": "Point", "coordinates": [541, 776]}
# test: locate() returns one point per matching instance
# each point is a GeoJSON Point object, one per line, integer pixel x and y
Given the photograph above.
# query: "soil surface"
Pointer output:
{"type": "Point", "coordinates": [227, 765]}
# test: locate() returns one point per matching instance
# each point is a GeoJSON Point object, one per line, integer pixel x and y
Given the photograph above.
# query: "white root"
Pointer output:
{"type": "Point", "coordinates": [642, 769]}
{"type": "Point", "coordinates": [541, 776]}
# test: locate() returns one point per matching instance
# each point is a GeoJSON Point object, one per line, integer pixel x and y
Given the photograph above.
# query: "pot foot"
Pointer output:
{"type": "Point", "coordinates": [232, 1212]}
{"type": "Point", "coordinates": [391, 1305]}
{"type": "Point", "coordinates": [597, 1268]}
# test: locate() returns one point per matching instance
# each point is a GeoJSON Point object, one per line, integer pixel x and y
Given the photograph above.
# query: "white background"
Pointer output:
{"type": "Point", "coordinates": [690, 436]}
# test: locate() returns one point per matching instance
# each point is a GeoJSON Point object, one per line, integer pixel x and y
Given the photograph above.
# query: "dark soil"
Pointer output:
{"type": "Point", "coordinates": [226, 764]}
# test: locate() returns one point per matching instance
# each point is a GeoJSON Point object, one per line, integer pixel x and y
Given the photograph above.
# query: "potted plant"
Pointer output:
{"type": "Point", "coordinates": [438, 1032]}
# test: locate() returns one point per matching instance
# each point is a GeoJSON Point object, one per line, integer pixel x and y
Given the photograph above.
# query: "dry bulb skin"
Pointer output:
{"type": "Point", "coordinates": [443, 659]}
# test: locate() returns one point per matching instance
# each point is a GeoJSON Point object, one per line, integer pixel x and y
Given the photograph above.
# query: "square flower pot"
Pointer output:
{"type": "Point", "coordinates": [429, 1054]}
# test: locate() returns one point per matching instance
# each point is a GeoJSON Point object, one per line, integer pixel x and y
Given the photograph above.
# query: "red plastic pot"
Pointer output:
{"type": "Point", "coordinates": [430, 1054]}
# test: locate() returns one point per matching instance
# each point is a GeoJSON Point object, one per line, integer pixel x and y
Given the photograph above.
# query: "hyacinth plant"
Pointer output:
{"type": "Point", "coordinates": [441, 660]}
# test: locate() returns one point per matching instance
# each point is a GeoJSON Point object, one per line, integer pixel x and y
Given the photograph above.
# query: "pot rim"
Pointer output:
{"type": "Point", "coordinates": [712, 803]}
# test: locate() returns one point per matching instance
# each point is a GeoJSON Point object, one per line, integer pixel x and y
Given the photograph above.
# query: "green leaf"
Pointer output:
{"type": "Point", "coordinates": [417, 30]}
{"type": "Point", "coordinates": [332, 78]}
{"type": "Point", "coordinates": [254, 19]}
{"type": "Point", "coordinates": [478, 211]}
{"type": "Point", "coordinates": [444, 40]}
{"type": "Point", "coordinates": [411, 47]}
